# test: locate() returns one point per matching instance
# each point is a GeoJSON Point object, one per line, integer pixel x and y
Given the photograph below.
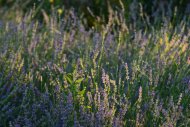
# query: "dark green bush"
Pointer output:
{"type": "Point", "coordinates": [90, 9]}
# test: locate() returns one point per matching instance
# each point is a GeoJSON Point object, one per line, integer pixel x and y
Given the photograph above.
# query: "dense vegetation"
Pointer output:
{"type": "Point", "coordinates": [131, 70]}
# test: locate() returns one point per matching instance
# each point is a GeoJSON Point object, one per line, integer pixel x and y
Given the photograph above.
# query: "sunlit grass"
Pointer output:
{"type": "Point", "coordinates": [117, 74]}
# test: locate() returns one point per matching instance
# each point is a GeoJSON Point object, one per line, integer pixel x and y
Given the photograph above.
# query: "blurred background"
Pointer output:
{"type": "Point", "coordinates": [94, 10]}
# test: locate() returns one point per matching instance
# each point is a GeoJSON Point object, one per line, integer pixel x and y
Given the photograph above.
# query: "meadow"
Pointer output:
{"type": "Point", "coordinates": [61, 73]}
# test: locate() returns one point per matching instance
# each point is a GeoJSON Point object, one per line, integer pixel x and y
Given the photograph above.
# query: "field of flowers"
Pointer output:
{"type": "Point", "coordinates": [59, 73]}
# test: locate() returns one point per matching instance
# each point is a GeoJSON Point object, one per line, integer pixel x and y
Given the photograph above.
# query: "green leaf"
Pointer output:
{"type": "Point", "coordinates": [78, 81]}
{"type": "Point", "coordinates": [82, 92]}
{"type": "Point", "coordinates": [69, 78]}
{"type": "Point", "coordinates": [89, 107]}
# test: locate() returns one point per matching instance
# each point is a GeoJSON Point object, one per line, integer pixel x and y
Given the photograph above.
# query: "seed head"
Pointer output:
{"type": "Point", "coordinates": [140, 94]}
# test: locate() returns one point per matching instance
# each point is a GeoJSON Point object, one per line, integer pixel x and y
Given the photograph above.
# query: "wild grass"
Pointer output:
{"type": "Point", "coordinates": [118, 74]}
